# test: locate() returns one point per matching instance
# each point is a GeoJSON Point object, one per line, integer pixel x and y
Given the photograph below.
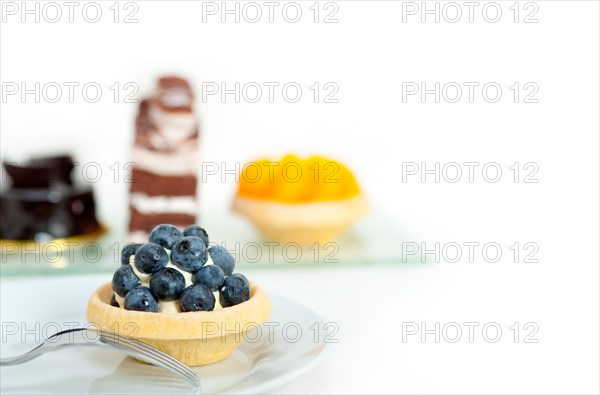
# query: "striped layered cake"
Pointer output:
{"type": "Point", "coordinates": [165, 152]}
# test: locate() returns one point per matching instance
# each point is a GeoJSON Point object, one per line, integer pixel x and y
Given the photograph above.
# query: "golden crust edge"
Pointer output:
{"type": "Point", "coordinates": [302, 215]}
{"type": "Point", "coordinates": [179, 326]}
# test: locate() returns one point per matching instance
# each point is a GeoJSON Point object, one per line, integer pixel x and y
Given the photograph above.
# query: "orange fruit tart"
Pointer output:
{"type": "Point", "coordinates": [299, 200]}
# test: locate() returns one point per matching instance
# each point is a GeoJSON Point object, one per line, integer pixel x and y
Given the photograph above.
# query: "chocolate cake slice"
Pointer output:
{"type": "Point", "coordinates": [43, 203]}
{"type": "Point", "coordinates": [165, 152]}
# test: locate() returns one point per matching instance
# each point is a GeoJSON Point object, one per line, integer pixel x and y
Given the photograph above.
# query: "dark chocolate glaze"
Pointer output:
{"type": "Point", "coordinates": [43, 203]}
{"type": "Point", "coordinates": [173, 85]}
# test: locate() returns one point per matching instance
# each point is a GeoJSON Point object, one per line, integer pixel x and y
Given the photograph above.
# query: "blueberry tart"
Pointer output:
{"type": "Point", "coordinates": [180, 295]}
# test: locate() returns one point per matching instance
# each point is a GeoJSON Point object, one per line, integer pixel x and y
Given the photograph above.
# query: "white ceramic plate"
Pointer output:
{"type": "Point", "coordinates": [33, 309]}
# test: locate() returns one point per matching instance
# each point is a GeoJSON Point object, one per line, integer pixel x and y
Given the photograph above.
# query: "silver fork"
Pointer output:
{"type": "Point", "coordinates": [97, 337]}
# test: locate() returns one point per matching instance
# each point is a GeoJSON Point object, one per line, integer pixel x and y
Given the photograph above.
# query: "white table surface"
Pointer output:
{"type": "Point", "coordinates": [370, 303]}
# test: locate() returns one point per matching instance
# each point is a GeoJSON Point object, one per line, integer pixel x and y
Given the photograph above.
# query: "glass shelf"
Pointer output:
{"type": "Point", "coordinates": [373, 240]}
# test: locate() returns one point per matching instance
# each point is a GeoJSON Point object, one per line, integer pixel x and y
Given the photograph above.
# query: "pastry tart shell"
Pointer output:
{"type": "Point", "coordinates": [194, 338]}
{"type": "Point", "coordinates": [302, 223]}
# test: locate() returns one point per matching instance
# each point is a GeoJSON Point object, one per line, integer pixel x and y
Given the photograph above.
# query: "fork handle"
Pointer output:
{"type": "Point", "coordinates": [70, 337]}
{"type": "Point", "coordinates": [97, 337]}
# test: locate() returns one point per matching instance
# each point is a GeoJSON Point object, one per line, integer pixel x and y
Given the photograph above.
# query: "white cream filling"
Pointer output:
{"type": "Point", "coordinates": [183, 162]}
{"type": "Point", "coordinates": [169, 307]}
{"type": "Point", "coordinates": [173, 126]}
{"type": "Point", "coordinates": [144, 278]}
{"type": "Point", "coordinates": [163, 204]}
{"type": "Point", "coordinates": [163, 306]}
{"type": "Point", "coordinates": [176, 97]}
{"type": "Point", "coordinates": [120, 300]}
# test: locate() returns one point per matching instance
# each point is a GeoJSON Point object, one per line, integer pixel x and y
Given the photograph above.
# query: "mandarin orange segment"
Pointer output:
{"type": "Point", "coordinates": [296, 180]}
{"type": "Point", "coordinates": [255, 179]}
{"type": "Point", "coordinates": [293, 183]}
{"type": "Point", "coordinates": [349, 186]}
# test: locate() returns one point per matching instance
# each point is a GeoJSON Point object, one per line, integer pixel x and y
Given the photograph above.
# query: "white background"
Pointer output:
{"type": "Point", "coordinates": [369, 53]}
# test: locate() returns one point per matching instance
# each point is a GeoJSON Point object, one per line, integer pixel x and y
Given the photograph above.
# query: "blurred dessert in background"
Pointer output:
{"type": "Point", "coordinates": [165, 153]}
{"type": "Point", "coordinates": [299, 200]}
{"type": "Point", "coordinates": [43, 203]}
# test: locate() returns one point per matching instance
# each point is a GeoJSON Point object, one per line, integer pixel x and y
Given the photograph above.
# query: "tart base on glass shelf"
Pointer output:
{"type": "Point", "coordinates": [59, 245]}
{"type": "Point", "coordinates": [303, 223]}
{"type": "Point", "coordinates": [194, 338]}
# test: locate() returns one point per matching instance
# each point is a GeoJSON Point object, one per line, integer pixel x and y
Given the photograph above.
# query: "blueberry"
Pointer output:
{"type": "Point", "coordinates": [235, 290]}
{"type": "Point", "coordinates": [113, 301]}
{"type": "Point", "coordinates": [210, 275]}
{"type": "Point", "coordinates": [124, 280]}
{"type": "Point", "coordinates": [165, 235]}
{"type": "Point", "coordinates": [222, 258]}
{"type": "Point", "coordinates": [141, 299]}
{"type": "Point", "coordinates": [197, 231]}
{"type": "Point", "coordinates": [197, 297]}
{"type": "Point", "coordinates": [150, 258]}
{"type": "Point", "coordinates": [189, 254]}
{"type": "Point", "coordinates": [242, 276]}
{"type": "Point", "coordinates": [127, 251]}
{"type": "Point", "coordinates": [167, 284]}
